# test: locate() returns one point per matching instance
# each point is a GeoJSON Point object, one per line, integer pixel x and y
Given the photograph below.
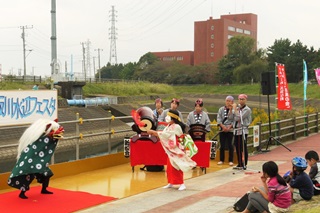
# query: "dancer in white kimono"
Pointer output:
{"type": "Point", "coordinates": [170, 138]}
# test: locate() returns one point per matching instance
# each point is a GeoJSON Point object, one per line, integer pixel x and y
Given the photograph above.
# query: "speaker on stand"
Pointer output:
{"type": "Point", "coordinates": [268, 83]}
{"type": "Point", "coordinates": [268, 86]}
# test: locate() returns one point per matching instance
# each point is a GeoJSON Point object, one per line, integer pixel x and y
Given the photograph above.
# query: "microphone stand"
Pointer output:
{"type": "Point", "coordinates": [244, 140]}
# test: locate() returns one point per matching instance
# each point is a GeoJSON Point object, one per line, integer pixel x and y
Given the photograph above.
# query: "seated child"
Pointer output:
{"type": "Point", "coordinates": [273, 196]}
{"type": "Point", "coordinates": [301, 185]}
{"type": "Point", "coordinates": [312, 158]}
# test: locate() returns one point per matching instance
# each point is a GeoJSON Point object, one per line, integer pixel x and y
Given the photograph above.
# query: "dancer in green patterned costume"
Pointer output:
{"type": "Point", "coordinates": [36, 147]}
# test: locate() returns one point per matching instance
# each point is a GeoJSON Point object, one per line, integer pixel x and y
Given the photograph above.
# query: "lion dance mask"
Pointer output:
{"type": "Point", "coordinates": [36, 147]}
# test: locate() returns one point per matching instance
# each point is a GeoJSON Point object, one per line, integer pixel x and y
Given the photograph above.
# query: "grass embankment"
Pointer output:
{"type": "Point", "coordinates": [296, 90]}
{"type": "Point", "coordinates": [16, 86]}
{"type": "Point", "coordinates": [127, 89]}
{"type": "Point", "coordinates": [145, 88]}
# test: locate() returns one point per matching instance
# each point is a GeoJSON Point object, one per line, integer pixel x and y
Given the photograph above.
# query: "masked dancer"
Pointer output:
{"type": "Point", "coordinates": [36, 147]}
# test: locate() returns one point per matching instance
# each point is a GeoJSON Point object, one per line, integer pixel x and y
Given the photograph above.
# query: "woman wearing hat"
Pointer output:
{"type": "Point", "coordinates": [178, 162]}
{"type": "Point", "coordinates": [198, 121]}
{"type": "Point", "coordinates": [242, 120]}
{"type": "Point", "coordinates": [225, 122]}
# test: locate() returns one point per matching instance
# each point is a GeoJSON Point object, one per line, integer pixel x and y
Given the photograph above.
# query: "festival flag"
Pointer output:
{"type": "Point", "coordinates": [305, 80]}
{"type": "Point", "coordinates": [284, 102]}
{"type": "Point", "coordinates": [318, 75]}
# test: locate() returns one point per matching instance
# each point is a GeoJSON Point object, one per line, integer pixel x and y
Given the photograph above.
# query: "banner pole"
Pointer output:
{"type": "Point", "coordinates": [305, 83]}
{"type": "Point", "coordinates": [276, 83]}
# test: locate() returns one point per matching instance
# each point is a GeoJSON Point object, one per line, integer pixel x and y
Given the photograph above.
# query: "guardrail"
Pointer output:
{"type": "Point", "coordinates": [282, 130]}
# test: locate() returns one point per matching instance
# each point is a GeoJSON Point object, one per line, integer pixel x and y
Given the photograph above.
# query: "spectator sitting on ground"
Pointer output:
{"type": "Point", "coordinates": [274, 196]}
{"type": "Point", "coordinates": [300, 183]}
{"type": "Point", "coordinates": [312, 158]}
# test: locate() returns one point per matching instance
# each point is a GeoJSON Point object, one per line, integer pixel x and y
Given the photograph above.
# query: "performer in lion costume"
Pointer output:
{"type": "Point", "coordinates": [36, 147]}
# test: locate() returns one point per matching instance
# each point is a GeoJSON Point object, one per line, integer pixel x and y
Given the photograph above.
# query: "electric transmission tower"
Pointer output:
{"type": "Point", "coordinates": [113, 38]}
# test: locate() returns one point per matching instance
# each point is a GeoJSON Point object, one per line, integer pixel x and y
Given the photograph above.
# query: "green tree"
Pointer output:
{"type": "Point", "coordinates": [128, 71]}
{"type": "Point", "coordinates": [241, 50]}
{"type": "Point", "coordinates": [250, 73]}
{"type": "Point", "coordinates": [143, 64]}
{"type": "Point", "coordinates": [294, 62]}
{"type": "Point", "coordinates": [111, 71]}
{"type": "Point", "coordinates": [313, 62]}
{"type": "Point", "coordinates": [208, 73]}
{"type": "Point", "coordinates": [291, 55]}
{"type": "Point", "coordinates": [278, 52]}
{"type": "Point", "coordinates": [226, 67]}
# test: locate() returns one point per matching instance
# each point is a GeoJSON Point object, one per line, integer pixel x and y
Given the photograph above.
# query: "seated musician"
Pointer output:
{"type": "Point", "coordinates": [198, 122]}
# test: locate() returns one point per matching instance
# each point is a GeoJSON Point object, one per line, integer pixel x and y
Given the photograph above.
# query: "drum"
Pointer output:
{"type": "Point", "coordinates": [147, 117]}
{"type": "Point", "coordinates": [198, 132]}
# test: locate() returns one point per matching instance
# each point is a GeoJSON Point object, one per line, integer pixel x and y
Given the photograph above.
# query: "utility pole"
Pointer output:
{"type": "Point", "coordinates": [66, 68]}
{"type": "Point", "coordinates": [84, 61]}
{"type": "Point", "coordinates": [88, 43]}
{"type": "Point", "coordinates": [53, 39]}
{"type": "Point", "coordinates": [94, 67]}
{"type": "Point", "coordinates": [99, 62]}
{"type": "Point", "coordinates": [24, 51]}
{"type": "Point", "coordinates": [113, 38]}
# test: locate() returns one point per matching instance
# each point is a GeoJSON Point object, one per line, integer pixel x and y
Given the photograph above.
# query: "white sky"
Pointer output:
{"type": "Point", "coordinates": [142, 26]}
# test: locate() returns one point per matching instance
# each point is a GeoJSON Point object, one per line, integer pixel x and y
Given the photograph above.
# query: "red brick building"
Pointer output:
{"type": "Point", "coordinates": [184, 57]}
{"type": "Point", "coordinates": [211, 38]}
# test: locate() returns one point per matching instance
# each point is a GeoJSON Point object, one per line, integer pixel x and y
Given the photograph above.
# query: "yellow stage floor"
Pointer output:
{"type": "Point", "coordinates": [119, 181]}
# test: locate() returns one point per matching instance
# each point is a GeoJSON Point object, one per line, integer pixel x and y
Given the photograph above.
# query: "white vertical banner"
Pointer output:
{"type": "Point", "coordinates": [256, 136]}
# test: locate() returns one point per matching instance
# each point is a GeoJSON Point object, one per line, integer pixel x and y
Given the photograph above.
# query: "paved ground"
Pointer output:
{"type": "Point", "coordinates": [213, 192]}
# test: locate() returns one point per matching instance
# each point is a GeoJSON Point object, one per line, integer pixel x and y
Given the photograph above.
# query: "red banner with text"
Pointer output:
{"type": "Point", "coordinates": [284, 102]}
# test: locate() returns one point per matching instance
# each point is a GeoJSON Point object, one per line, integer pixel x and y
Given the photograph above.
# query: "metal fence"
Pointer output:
{"type": "Point", "coordinates": [282, 130]}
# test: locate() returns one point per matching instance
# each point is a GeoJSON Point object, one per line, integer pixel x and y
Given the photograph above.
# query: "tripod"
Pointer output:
{"type": "Point", "coordinates": [271, 137]}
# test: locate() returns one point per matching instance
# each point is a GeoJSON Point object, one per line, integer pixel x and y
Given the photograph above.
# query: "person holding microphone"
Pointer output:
{"type": "Point", "coordinates": [242, 120]}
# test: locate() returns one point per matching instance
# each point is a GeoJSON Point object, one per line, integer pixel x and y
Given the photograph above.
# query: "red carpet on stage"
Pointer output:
{"type": "Point", "coordinates": [61, 201]}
